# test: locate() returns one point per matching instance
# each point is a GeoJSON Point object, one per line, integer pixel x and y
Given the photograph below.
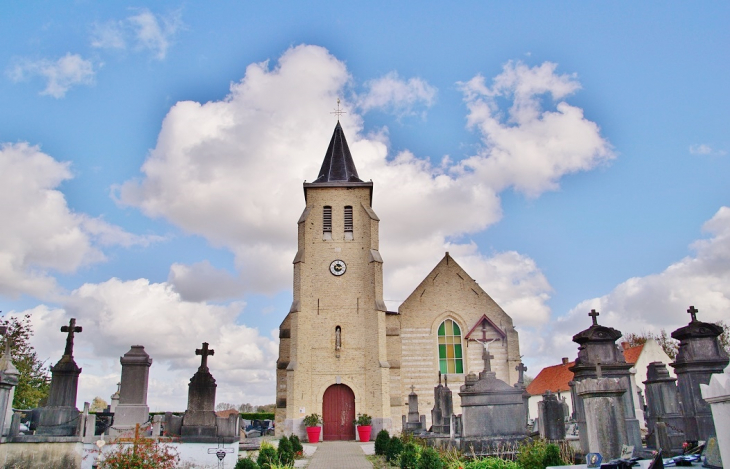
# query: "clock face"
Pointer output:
{"type": "Point", "coordinates": [338, 267]}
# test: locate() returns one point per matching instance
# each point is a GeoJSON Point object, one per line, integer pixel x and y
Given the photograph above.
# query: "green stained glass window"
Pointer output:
{"type": "Point", "coordinates": [451, 359]}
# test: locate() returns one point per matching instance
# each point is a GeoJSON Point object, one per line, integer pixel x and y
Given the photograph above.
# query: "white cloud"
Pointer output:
{"type": "Point", "coordinates": [62, 74]}
{"type": "Point", "coordinates": [396, 95]}
{"type": "Point", "coordinates": [109, 35]}
{"type": "Point", "coordinates": [202, 281]}
{"type": "Point", "coordinates": [530, 148]}
{"type": "Point", "coordinates": [44, 234]}
{"type": "Point", "coordinates": [704, 149]}
{"type": "Point", "coordinates": [231, 171]}
{"type": "Point", "coordinates": [117, 314]}
{"type": "Point", "coordinates": [657, 301]}
{"type": "Point", "coordinates": [147, 31]}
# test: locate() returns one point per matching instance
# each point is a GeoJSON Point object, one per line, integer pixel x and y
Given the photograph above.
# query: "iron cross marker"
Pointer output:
{"type": "Point", "coordinates": [71, 329]}
{"type": "Point", "coordinates": [204, 352]}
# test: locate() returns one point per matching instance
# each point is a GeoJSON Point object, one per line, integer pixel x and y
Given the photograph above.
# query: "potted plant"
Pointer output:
{"type": "Point", "coordinates": [364, 426]}
{"type": "Point", "coordinates": [312, 422]}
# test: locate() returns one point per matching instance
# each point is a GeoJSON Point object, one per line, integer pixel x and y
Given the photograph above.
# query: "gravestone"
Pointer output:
{"type": "Point", "coordinates": [60, 417]}
{"type": "Point", "coordinates": [493, 413]}
{"type": "Point", "coordinates": [520, 369]}
{"type": "Point", "coordinates": [597, 346]}
{"type": "Point", "coordinates": [415, 423]}
{"type": "Point", "coordinates": [717, 394]}
{"type": "Point", "coordinates": [551, 419]}
{"type": "Point", "coordinates": [604, 409]}
{"type": "Point", "coordinates": [200, 419]}
{"type": "Point", "coordinates": [663, 407]}
{"type": "Point", "coordinates": [132, 408]}
{"type": "Point", "coordinates": [443, 407]}
{"type": "Point", "coordinates": [9, 376]}
{"type": "Point", "coordinates": [700, 356]}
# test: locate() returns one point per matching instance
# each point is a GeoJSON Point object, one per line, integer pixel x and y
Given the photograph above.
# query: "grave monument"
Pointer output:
{"type": "Point", "coordinates": [132, 408]}
{"type": "Point", "coordinates": [663, 408]}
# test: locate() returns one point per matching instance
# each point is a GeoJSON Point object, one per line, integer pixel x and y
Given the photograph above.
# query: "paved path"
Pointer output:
{"type": "Point", "coordinates": [339, 455]}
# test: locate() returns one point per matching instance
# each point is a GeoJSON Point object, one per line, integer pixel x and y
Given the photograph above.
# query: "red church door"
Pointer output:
{"type": "Point", "coordinates": [338, 413]}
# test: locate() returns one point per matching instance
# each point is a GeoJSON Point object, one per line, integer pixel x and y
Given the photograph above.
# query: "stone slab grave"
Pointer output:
{"type": "Point", "coordinates": [132, 408]}
{"type": "Point", "coordinates": [443, 408]}
{"type": "Point", "coordinates": [414, 423]}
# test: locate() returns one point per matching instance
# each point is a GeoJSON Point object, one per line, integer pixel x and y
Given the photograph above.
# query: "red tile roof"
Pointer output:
{"type": "Point", "coordinates": [631, 354]}
{"type": "Point", "coordinates": [553, 378]}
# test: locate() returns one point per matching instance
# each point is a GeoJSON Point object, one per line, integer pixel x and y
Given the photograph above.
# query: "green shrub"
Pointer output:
{"type": "Point", "coordinates": [285, 451]}
{"type": "Point", "coordinates": [409, 456]}
{"type": "Point", "coordinates": [267, 456]}
{"type": "Point", "coordinates": [257, 415]}
{"type": "Point", "coordinates": [246, 463]}
{"type": "Point", "coordinates": [492, 463]}
{"type": "Point", "coordinates": [381, 442]}
{"type": "Point", "coordinates": [552, 456]}
{"type": "Point", "coordinates": [395, 446]}
{"type": "Point", "coordinates": [430, 459]}
{"type": "Point", "coordinates": [296, 445]}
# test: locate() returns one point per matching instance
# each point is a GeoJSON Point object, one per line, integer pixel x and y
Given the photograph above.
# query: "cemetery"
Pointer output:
{"type": "Point", "coordinates": [690, 411]}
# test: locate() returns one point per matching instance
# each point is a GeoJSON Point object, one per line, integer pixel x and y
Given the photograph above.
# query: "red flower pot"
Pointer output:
{"type": "Point", "coordinates": [313, 434]}
{"type": "Point", "coordinates": [364, 431]}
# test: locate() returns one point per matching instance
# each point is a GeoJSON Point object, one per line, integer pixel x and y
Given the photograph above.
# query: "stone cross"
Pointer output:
{"type": "Point", "coordinates": [521, 368]}
{"type": "Point", "coordinates": [487, 359]}
{"type": "Point", "coordinates": [71, 329]}
{"type": "Point", "coordinates": [413, 389]}
{"type": "Point", "coordinates": [204, 352]}
{"type": "Point", "coordinates": [693, 312]}
{"type": "Point", "coordinates": [594, 315]}
{"type": "Point", "coordinates": [599, 373]}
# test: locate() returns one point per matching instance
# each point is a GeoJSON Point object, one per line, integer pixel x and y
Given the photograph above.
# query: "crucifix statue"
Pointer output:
{"type": "Point", "coordinates": [693, 312]}
{"type": "Point", "coordinates": [486, 355]}
{"type": "Point", "coordinates": [594, 315]}
{"type": "Point", "coordinates": [71, 329]}
{"type": "Point", "coordinates": [204, 352]}
{"type": "Point", "coordinates": [521, 368]}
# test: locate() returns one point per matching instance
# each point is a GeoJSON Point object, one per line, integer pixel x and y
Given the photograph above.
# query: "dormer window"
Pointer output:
{"type": "Point", "coordinates": [327, 222]}
{"type": "Point", "coordinates": [348, 222]}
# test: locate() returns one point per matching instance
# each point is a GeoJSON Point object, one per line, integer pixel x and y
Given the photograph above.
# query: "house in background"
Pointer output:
{"type": "Point", "coordinates": [556, 378]}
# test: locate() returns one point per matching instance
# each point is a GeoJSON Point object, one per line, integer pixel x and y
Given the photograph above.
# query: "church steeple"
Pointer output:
{"type": "Point", "coordinates": [338, 165]}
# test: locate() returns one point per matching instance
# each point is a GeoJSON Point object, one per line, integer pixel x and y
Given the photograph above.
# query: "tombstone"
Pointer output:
{"type": "Point", "coordinates": [199, 419]}
{"type": "Point", "coordinates": [60, 417]}
{"type": "Point", "coordinates": [597, 345]}
{"type": "Point", "coordinates": [493, 412]}
{"type": "Point", "coordinates": [551, 419]}
{"type": "Point", "coordinates": [8, 380]}
{"type": "Point", "coordinates": [115, 398]}
{"type": "Point", "coordinates": [717, 394]}
{"type": "Point", "coordinates": [521, 368]}
{"type": "Point", "coordinates": [663, 407]}
{"type": "Point", "coordinates": [132, 408]}
{"type": "Point", "coordinates": [415, 423]}
{"type": "Point", "coordinates": [700, 356]}
{"type": "Point", "coordinates": [443, 407]}
{"type": "Point", "coordinates": [604, 412]}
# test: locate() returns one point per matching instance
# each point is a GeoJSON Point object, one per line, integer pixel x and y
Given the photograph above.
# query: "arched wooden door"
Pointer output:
{"type": "Point", "coordinates": [338, 413]}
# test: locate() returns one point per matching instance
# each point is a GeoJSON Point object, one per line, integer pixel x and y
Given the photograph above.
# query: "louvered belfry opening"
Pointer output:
{"type": "Point", "coordinates": [348, 218]}
{"type": "Point", "coordinates": [327, 219]}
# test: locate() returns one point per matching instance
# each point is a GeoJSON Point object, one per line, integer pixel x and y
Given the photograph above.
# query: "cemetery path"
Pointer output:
{"type": "Point", "coordinates": [339, 455]}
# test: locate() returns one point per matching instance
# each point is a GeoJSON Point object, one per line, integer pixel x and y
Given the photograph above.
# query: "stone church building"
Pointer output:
{"type": "Point", "coordinates": [341, 352]}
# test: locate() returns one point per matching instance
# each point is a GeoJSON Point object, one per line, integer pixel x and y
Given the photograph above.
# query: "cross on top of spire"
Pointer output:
{"type": "Point", "coordinates": [594, 315]}
{"type": "Point", "coordinates": [693, 312]}
{"type": "Point", "coordinates": [338, 112]}
{"type": "Point", "coordinates": [204, 352]}
{"type": "Point", "coordinates": [71, 329]}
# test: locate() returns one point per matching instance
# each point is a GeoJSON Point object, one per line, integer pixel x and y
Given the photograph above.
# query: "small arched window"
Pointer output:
{"type": "Point", "coordinates": [450, 349]}
{"type": "Point", "coordinates": [327, 222]}
{"type": "Point", "coordinates": [348, 222]}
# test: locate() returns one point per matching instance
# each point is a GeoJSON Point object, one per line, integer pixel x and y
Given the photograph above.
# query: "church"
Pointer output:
{"type": "Point", "coordinates": [341, 352]}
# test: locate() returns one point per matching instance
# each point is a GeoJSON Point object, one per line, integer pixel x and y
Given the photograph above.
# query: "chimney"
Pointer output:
{"type": "Point", "coordinates": [565, 360]}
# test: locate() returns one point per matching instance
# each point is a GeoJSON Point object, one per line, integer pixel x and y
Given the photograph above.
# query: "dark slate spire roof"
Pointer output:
{"type": "Point", "coordinates": [338, 165]}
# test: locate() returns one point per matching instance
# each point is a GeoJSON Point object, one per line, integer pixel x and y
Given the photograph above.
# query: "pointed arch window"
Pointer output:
{"type": "Point", "coordinates": [451, 356]}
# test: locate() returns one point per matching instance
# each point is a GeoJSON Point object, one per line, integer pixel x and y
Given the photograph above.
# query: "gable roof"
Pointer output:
{"type": "Point", "coordinates": [552, 378]}
{"type": "Point", "coordinates": [491, 323]}
{"type": "Point", "coordinates": [631, 354]}
{"type": "Point", "coordinates": [338, 165]}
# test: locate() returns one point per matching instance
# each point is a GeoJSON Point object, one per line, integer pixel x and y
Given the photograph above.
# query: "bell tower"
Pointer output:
{"type": "Point", "coordinates": [332, 349]}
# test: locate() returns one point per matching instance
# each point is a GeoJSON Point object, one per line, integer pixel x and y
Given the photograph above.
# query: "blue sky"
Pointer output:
{"type": "Point", "coordinates": [619, 205]}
